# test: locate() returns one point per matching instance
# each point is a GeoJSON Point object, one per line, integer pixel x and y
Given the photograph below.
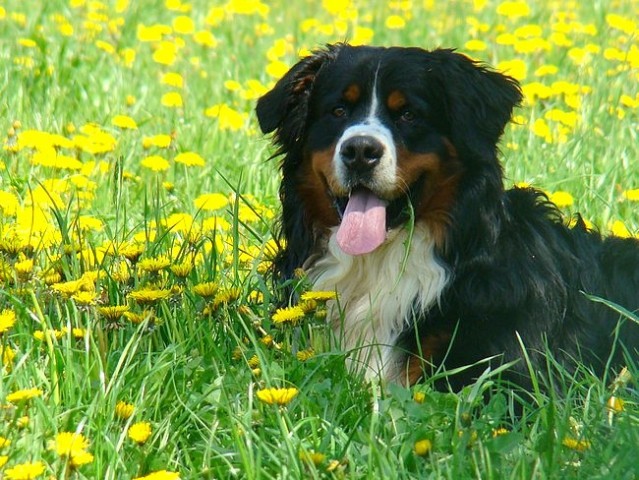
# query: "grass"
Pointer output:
{"type": "Point", "coordinates": [86, 225]}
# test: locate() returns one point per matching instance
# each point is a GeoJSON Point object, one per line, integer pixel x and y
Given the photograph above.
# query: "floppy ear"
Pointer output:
{"type": "Point", "coordinates": [479, 101]}
{"type": "Point", "coordinates": [285, 107]}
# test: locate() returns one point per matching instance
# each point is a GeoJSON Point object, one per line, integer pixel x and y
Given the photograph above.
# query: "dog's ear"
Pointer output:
{"type": "Point", "coordinates": [479, 101]}
{"type": "Point", "coordinates": [287, 102]}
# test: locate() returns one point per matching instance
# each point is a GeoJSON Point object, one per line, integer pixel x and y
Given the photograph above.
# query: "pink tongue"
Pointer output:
{"type": "Point", "coordinates": [363, 227]}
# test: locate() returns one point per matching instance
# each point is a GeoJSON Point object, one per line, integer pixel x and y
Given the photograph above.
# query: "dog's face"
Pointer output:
{"type": "Point", "coordinates": [375, 136]}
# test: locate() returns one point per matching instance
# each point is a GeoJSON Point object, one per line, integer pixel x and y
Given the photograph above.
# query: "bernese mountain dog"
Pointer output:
{"type": "Point", "coordinates": [392, 196]}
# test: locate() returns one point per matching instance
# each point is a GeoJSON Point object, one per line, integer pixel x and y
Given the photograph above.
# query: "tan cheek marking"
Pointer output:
{"type": "Point", "coordinates": [396, 100]}
{"type": "Point", "coordinates": [439, 191]}
{"type": "Point", "coordinates": [313, 174]}
{"type": "Point", "coordinates": [352, 93]}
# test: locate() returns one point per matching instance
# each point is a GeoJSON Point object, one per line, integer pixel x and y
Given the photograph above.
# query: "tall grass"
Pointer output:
{"type": "Point", "coordinates": [88, 222]}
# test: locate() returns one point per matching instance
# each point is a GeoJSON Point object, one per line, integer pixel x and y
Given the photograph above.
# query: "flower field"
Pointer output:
{"type": "Point", "coordinates": [139, 336]}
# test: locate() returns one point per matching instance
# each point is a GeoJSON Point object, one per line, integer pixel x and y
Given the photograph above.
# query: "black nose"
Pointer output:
{"type": "Point", "coordinates": [361, 153]}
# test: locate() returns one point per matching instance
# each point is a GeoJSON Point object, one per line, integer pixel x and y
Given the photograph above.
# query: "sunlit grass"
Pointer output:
{"type": "Point", "coordinates": [138, 335]}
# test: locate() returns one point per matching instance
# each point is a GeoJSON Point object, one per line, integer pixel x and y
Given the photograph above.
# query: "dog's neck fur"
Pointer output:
{"type": "Point", "coordinates": [378, 294]}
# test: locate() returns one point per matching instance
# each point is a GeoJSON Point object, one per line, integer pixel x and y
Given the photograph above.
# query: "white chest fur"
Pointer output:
{"type": "Point", "coordinates": [377, 293]}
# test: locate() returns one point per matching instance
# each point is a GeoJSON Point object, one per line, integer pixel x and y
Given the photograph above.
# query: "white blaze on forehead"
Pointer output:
{"type": "Point", "coordinates": [374, 105]}
{"type": "Point", "coordinates": [384, 176]}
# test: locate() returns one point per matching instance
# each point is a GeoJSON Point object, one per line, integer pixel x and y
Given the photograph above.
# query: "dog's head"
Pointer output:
{"type": "Point", "coordinates": [373, 136]}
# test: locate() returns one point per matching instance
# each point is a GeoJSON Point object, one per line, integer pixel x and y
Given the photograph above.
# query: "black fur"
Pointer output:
{"type": "Point", "coordinates": [517, 270]}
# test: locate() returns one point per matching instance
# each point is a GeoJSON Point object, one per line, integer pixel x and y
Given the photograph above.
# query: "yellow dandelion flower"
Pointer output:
{"type": "Point", "coordinates": [224, 297]}
{"type": "Point", "coordinates": [316, 458]}
{"type": "Point", "coordinates": [475, 45]}
{"type": "Point", "coordinates": [27, 42]}
{"type": "Point", "coordinates": [182, 270]}
{"type": "Point", "coordinates": [232, 85]}
{"type": "Point", "coordinates": [561, 199]}
{"type": "Point", "coordinates": [619, 229]}
{"type": "Point", "coordinates": [546, 70]}
{"type": "Point", "coordinates": [211, 201]}
{"type": "Point", "coordinates": [254, 89]}
{"type": "Point", "coordinates": [632, 195]}
{"type": "Point", "coordinates": [7, 355]}
{"type": "Point", "coordinates": [419, 397]}
{"type": "Point", "coordinates": [172, 79]}
{"type": "Point", "coordinates": [138, 318]}
{"type": "Point", "coordinates": [575, 444]}
{"type": "Point", "coordinates": [183, 25]}
{"type": "Point", "coordinates": [498, 432]}
{"type": "Point", "coordinates": [304, 355]}
{"type": "Point", "coordinates": [139, 432]}
{"type": "Point", "coordinates": [78, 332]}
{"type": "Point", "coordinates": [308, 306]}
{"type": "Point", "coordinates": [4, 442]}
{"type": "Point", "coordinates": [80, 458]}
{"type": "Point", "coordinates": [24, 268]}
{"type": "Point", "coordinates": [7, 320]}
{"type": "Point", "coordinates": [228, 118]}
{"type": "Point", "coordinates": [23, 395]}
{"type": "Point", "coordinates": [615, 404]}
{"type": "Point", "coordinates": [172, 100]}
{"type": "Point", "coordinates": [124, 122]}
{"type": "Point", "coordinates": [513, 9]}
{"type": "Point", "coordinates": [9, 203]}
{"type": "Point", "coordinates": [160, 141]}
{"type": "Point", "coordinates": [190, 159]}
{"type": "Point", "coordinates": [113, 312]}
{"type": "Point", "coordinates": [569, 119]}
{"type": "Point", "coordinates": [253, 362]}
{"type": "Point", "coordinates": [205, 39]}
{"type": "Point", "coordinates": [627, 25]}
{"type": "Point", "coordinates": [541, 129]}
{"type": "Point", "coordinates": [205, 289]}
{"type": "Point", "coordinates": [25, 471]}
{"type": "Point", "coordinates": [515, 68]}
{"type": "Point", "coordinates": [362, 35]}
{"type": "Point", "coordinates": [84, 298]}
{"type": "Point", "coordinates": [124, 410]}
{"type": "Point", "coordinates": [277, 396]}
{"type": "Point", "coordinates": [155, 163]}
{"type": "Point", "coordinates": [277, 69]}
{"type": "Point", "coordinates": [319, 295]}
{"type": "Point", "coordinates": [154, 265]}
{"type": "Point", "coordinates": [131, 251]}
{"type": "Point", "coordinates": [127, 56]}
{"type": "Point", "coordinates": [70, 288]}
{"type": "Point", "coordinates": [160, 475]}
{"type": "Point", "coordinates": [67, 444]}
{"type": "Point", "coordinates": [152, 33]}
{"type": "Point", "coordinates": [395, 22]}
{"type": "Point", "coordinates": [422, 447]}
{"type": "Point", "coordinates": [290, 315]}
{"type": "Point", "coordinates": [166, 53]}
{"type": "Point", "coordinates": [149, 296]}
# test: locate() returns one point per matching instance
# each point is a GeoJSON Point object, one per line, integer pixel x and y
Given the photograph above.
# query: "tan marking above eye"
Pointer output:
{"type": "Point", "coordinates": [396, 100]}
{"type": "Point", "coordinates": [352, 93]}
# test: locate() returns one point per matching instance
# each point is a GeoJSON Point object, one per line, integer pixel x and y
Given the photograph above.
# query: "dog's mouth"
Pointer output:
{"type": "Point", "coordinates": [366, 217]}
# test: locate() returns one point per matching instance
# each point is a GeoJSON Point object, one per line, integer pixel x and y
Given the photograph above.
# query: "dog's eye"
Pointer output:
{"type": "Point", "coordinates": [407, 116]}
{"type": "Point", "coordinates": [339, 112]}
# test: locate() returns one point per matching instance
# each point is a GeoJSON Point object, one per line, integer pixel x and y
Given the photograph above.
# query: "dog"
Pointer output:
{"type": "Point", "coordinates": [393, 197]}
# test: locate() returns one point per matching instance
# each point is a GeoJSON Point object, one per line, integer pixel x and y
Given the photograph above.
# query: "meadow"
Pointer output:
{"type": "Point", "coordinates": [139, 335]}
